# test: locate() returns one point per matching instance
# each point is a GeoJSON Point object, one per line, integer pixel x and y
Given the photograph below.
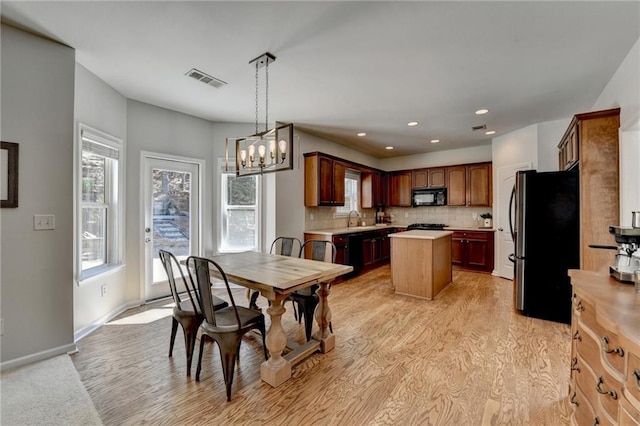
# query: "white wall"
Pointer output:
{"type": "Point", "coordinates": [439, 158]}
{"type": "Point", "coordinates": [37, 266]}
{"type": "Point", "coordinates": [100, 106]}
{"type": "Point", "coordinates": [623, 90]}
{"type": "Point", "coordinates": [154, 129]}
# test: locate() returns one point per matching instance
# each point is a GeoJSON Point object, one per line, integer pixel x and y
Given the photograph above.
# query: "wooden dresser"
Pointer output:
{"type": "Point", "coordinates": [604, 388]}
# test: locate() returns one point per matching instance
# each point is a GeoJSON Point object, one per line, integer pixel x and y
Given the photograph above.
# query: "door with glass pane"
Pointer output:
{"type": "Point", "coordinates": [171, 217]}
{"type": "Point", "coordinates": [240, 213]}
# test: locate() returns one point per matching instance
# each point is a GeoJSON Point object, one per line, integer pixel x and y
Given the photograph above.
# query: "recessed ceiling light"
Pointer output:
{"type": "Point", "coordinates": [412, 123]}
{"type": "Point", "coordinates": [388, 147]}
{"type": "Point", "coordinates": [482, 111]}
{"type": "Point", "coordinates": [361, 134]}
{"type": "Point", "coordinates": [490, 132]}
{"type": "Point", "coordinates": [435, 140]}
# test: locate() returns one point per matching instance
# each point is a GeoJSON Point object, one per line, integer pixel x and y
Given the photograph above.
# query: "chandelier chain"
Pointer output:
{"type": "Point", "coordinates": [266, 96]}
{"type": "Point", "coordinates": [256, 97]}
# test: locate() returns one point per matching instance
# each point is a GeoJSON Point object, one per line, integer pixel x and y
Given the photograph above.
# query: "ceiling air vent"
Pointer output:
{"type": "Point", "coordinates": [205, 78]}
{"type": "Point", "coordinates": [480, 127]}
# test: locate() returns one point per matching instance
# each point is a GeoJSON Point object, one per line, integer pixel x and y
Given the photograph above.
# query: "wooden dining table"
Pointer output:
{"type": "Point", "coordinates": [275, 277]}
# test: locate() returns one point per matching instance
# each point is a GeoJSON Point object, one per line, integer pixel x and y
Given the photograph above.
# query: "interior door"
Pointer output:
{"type": "Point", "coordinates": [171, 216]}
{"type": "Point", "coordinates": [506, 181]}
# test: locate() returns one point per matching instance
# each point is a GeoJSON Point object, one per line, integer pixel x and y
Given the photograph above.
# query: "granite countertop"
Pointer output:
{"type": "Point", "coordinates": [354, 229]}
{"type": "Point", "coordinates": [422, 235]}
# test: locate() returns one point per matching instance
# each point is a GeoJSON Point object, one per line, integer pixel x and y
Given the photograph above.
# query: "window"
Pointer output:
{"type": "Point", "coordinates": [240, 202]}
{"type": "Point", "coordinates": [99, 189]}
{"type": "Point", "coordinates": [351, 186]}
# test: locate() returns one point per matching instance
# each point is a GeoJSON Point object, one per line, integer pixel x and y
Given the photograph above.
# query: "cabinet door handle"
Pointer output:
{"type": "Point", "coordinates": [605, 347]}
{"type": "Point", "coordinates": [577, 336]}
{"type": "Point", "coordinates": [636, 375]}
{"type": "Point", "coordinates": [574, 365]}
{"type": "Point", "coordinates": [611, 393]}
{"type": "Point", "coordinates": [596, 421]}
{"type": "Point", "coordinates": [580, 306]}
{"type": "Point", "coordinates": [574, 400]}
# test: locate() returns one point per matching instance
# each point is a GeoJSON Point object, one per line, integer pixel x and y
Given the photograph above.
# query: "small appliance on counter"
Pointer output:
{"type": "Point", "coordinates": [626, 263]}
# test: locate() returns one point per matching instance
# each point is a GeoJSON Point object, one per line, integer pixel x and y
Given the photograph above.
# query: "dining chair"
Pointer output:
{"type": "Point", "coordinates": [225, 326]}
{"type": "Point", "coordinates": [307, 299]}
{"type": "Point", "coordinates": [284, 246]}
{"type": "Point", "coordinates": [185, 312]}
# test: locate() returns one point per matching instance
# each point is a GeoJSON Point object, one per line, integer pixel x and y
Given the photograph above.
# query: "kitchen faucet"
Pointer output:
{"type": "Point", "coordinates": [349, 218]}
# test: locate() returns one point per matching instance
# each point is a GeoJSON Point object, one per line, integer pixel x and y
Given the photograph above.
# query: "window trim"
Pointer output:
{"type": "Point", "coordinates": [357, 176]}
{"type": "Point", "coordinates": [115, 187]}
{"type": "Point", "coordinates": [221, 197]}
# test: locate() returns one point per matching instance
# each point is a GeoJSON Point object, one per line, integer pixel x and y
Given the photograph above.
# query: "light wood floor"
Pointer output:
{"type": "Point", "coordinates": [463, 359]}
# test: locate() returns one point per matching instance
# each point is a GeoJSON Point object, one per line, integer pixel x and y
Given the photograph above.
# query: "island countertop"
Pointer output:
{"type": "Point", "coordinates": [422, 235]}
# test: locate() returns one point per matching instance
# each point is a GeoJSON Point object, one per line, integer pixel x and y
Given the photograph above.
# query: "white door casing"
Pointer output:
{"type": "Point", "coordinates": [174, 225]}
{"type": "Point", "coordinates": [506, 181]}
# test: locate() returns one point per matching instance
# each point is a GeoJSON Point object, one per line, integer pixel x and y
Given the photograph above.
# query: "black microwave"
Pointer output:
{"type": "Point", "coordinates": [429, 197]}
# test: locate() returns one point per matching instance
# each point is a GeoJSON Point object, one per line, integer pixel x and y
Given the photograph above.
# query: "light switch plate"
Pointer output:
{"type": "Point", "coordinates": [42, 222]}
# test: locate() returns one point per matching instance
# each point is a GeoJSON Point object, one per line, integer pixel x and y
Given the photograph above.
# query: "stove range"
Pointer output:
{"type": "Point", "coordinates": [427, 226]}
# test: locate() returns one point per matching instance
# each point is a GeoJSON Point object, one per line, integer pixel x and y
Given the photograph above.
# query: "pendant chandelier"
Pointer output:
{"type": "Point", "coordinates": [270, 150]}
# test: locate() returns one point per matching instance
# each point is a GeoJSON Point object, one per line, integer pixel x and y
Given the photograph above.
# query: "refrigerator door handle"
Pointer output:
{"type": "Point", "coordinates": [511, 200]}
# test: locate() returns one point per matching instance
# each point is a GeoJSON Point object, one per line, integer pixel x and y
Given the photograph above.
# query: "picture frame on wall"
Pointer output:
{"type": "Point", "coordinates": [9, 175]}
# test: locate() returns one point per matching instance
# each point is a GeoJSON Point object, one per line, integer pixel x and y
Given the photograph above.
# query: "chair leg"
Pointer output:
{"type": "Point", "coordinates": [263, 332]}
{"type": "Point", "coordinates": [309, 307]}
{"type": "Point", "coordinates": [189, 344]}
{"type": "Point", "coordinates": [228, 353]}
{"type": "Point", "coordinates": [174, 330]}
{"type": "Point", "coordinates": [202, 340]}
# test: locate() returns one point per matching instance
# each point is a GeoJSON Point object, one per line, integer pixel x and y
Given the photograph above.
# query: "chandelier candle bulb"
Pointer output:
{"type": "Point", "coordinates": [243, 157]}
{"type": "Point", "coordinates": [272, 150]}
{"type": "Point", "coordinates": [261, 151]}
{"type": "Point", "coordinates": [282, 145]}
{"type": "Point", "coordinates": [252, 152]}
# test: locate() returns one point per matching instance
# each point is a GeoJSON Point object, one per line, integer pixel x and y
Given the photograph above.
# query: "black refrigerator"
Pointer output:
{"type": "Point", "coordinates": [544, 218]}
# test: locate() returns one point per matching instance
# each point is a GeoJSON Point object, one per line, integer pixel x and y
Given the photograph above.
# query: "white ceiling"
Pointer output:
{"type": "Point", "coordinates": [347, 67]}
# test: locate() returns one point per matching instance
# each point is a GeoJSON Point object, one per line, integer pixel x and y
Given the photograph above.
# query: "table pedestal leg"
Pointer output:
{"type": "Point", "coordinates": [276, 370]}
{"type": "Point", "coordinates": [323, 318]}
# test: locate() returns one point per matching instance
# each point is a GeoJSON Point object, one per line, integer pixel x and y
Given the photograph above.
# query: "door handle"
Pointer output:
{"type": "Point", "coordinates": [512, 257]}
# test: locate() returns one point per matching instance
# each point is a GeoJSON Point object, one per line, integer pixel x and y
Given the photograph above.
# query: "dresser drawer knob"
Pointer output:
{"type": "Point", "coordinates": [580, 306]}
{"type": "Point", "coordinates": [611, 393]}
{"type": "Point", "coordinates": [574, 400]}
{"type": "Point", "coordinates": [596, 421]}
{"type": "Point", "coordinates": [574, 365]}
{"type": "Point", "coordinates": [577, 336]}
{"type": "Point", "coordinates": [605, 347]}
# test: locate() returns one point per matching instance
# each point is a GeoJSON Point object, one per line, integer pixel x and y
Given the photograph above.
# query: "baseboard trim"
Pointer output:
{"type": "Point", "coordinates": [87, 330]}
{"type": "Point", "coordinates": [39, 356]}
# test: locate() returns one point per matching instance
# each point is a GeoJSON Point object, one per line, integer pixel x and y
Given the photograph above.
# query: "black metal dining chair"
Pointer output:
{"type": "Point", "coordinates": [307, 299]}
{"type": "Point", "coordinates": [225, 326]}
{"type": "Point", "coordinates": [185, 312]}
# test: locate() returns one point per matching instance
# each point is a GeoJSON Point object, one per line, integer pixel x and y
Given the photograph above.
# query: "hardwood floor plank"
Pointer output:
{"type": "Point", "coordinates": [464, 358]}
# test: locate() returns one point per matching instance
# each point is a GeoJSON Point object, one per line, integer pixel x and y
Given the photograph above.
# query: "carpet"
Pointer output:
{"type": "Point", "coordinates": [48, 392]}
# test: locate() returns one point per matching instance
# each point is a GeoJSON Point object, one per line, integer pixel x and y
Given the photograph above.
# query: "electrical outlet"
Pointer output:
{"type": "Point", "coordinates": [103, 290]}
{"type": "Point", "coordinates": [43, 222]}
{"type": "Point", "coordinates": [310, 216]}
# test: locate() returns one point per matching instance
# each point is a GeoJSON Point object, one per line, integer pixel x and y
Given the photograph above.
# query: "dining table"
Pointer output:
{"type": "Point", "coordinates": [275, 277]}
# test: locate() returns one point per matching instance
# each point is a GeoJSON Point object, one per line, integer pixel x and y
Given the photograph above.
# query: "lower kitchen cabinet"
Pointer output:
{"type": "Point", "coordinates": [376, 248]}
{"type": "Point", "coordinates": [342, 249]}
{"type": "Point", "coordinates": [604, 384]}
{"type": "Point", "coordinates": [472, 250]}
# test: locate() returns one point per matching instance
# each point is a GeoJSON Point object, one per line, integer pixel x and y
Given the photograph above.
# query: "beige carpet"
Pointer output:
{"type": "Point", "coordinates": [46, 393]}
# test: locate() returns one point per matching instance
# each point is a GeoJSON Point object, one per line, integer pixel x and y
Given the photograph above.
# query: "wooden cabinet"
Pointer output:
{"type": "Point", "coordinates": [568, 154]}
{"type": "Point", "coordinates": [324, 180]}
{"type": "Point", "coordinates": [428, 178]}
{"type": "Point", "coordinates": [473, 250]}
{"type": "Point", "coordinates": [373, 189]}
{"type": "Point", "coordinates": [399, 192]}
{"type": "Point", "coordinates": [590, 144]}
{"type": "Point", "coordinates": [376, 248]}
{"type": "Point", "coordinates": [469, 185]}
{"type": "Point", "coordinates": [604, 383]}
{"type": "Point", "coordinates": [342, 249]}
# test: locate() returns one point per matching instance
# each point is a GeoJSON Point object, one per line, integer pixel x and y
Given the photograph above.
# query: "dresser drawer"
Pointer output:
{"type": "Point", "coordinates": [586, 311]}
{"type": "Point", "coordinates": [628, 415]}
{"type": "Point", "coordinates": [633, 377]}
{"type": "Point", "coordinates": [610, 391]}
{"type": "Point", "coordinates": [584, 413]}
{"type": "Point", "coordinates": [586, 381]}
{"type": "Point", "coordinates": [587, 347]}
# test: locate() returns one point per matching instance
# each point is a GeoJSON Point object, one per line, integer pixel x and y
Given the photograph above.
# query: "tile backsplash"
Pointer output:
{"type": "Point", "coordinates": [323, 217]}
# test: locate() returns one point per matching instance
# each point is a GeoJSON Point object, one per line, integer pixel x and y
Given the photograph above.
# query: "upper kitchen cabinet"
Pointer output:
{"type": "Point", "coordinates": [469, 185]}
{"type": "Point", "coordinates": [373, 189]}
{"type": "Point", "coordinates": [590, 145]}
{"type": "Point", "coordinates": [399, 192]}
{"type": "Point", "coordinates": [323, 180]}
{"type": "Point", "coordinates": [429, 178]}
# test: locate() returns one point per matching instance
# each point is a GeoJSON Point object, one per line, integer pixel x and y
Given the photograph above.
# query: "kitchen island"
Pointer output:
{"type": "Point", "coordinates": [421, 262]}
